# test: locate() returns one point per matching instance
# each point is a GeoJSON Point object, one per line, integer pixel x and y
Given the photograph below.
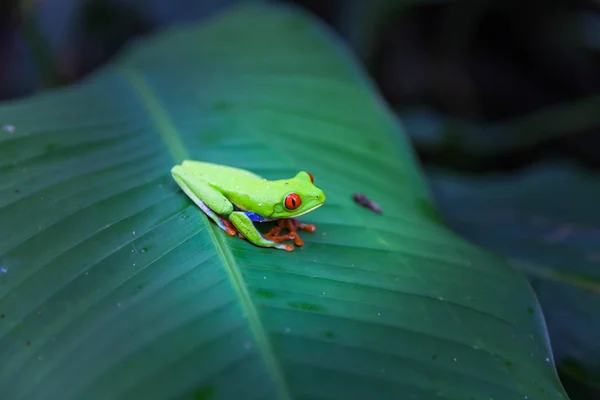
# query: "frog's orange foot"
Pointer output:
{"type": "Point", "coordinates": [229, 227]}
{"type": "Point", "coordinates": [281, 238]}
{"type": "Point", "coordinates": [291, 225]}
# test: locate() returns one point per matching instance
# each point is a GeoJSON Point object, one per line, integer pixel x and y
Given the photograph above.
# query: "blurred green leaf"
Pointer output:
{"type": "Point", "coordinates": [115, 286]}
{"type": "Point", "coordinates": [435, 131]}
{"type": "Point", "coordinates": [547, 221]}
{"type": "Point", "coordinates": [47, 73]}
{"type": "Point", "coordinates": [360, 22]}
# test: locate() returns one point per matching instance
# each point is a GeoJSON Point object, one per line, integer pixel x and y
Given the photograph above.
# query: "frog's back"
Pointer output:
{"type": "Point", "coordinates": [222, 176]}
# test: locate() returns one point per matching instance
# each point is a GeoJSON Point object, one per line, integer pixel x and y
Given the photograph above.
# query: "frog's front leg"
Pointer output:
{"type": "Point", "coordinates": [244, 224]}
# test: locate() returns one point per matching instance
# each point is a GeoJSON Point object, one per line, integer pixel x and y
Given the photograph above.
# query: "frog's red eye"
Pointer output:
{"type": "Point", "coordinates": [292, 201]}
{"type": "Point", "coordinates": [311, 177]}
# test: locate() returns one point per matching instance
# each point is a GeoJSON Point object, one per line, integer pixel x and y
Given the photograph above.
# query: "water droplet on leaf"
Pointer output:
{"type": "Point", "coordinates": [8, 128]}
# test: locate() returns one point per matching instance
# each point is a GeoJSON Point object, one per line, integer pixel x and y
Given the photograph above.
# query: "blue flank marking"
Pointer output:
{"type": "Point", "coordinates": [254, 217]}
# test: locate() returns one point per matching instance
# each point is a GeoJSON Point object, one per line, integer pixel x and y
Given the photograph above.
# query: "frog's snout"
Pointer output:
{"type": "Point", "coordinates": [320, 197]}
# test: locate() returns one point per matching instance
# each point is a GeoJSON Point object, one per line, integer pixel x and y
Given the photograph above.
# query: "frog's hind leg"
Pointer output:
{"type": "Point", "coordinates": [217, 201]}
{"type": "Point", "coordinates": [223, 223]}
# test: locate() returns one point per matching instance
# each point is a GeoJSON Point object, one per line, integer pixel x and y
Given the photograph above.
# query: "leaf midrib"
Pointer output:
{"type": "Point", "coordinates": [172, 141]}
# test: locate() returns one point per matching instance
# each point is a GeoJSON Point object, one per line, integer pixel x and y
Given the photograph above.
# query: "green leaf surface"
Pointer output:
{"type": "Point", "coordinates": [547, 221]}
{"type": "Point", "coordinates": [114, 285]}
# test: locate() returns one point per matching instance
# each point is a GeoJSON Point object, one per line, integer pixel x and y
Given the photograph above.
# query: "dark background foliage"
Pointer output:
{"type": "Point", "coordinates": [501, 100]}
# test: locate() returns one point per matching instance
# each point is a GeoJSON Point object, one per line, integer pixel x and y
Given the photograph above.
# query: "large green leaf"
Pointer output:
{"type": "Point", "coordinates": [117, 287]}
{"type": "Point", "coordinates": [546, 219]}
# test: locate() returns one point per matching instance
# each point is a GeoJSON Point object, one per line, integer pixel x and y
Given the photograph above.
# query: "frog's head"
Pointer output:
{"type": "Point", "coordinates": [300, 195]}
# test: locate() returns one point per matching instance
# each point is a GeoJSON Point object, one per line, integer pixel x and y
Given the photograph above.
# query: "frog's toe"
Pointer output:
{"type": "Point", "coordinates": [286, 247]}
{"type": "Point", "coordinates": [307, 227]}
{"type": "Point", "coordinates": [297, 240]}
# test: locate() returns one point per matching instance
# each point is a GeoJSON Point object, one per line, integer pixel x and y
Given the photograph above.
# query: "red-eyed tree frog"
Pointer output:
{"type": "Point", "coordinates": [235, 198]}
